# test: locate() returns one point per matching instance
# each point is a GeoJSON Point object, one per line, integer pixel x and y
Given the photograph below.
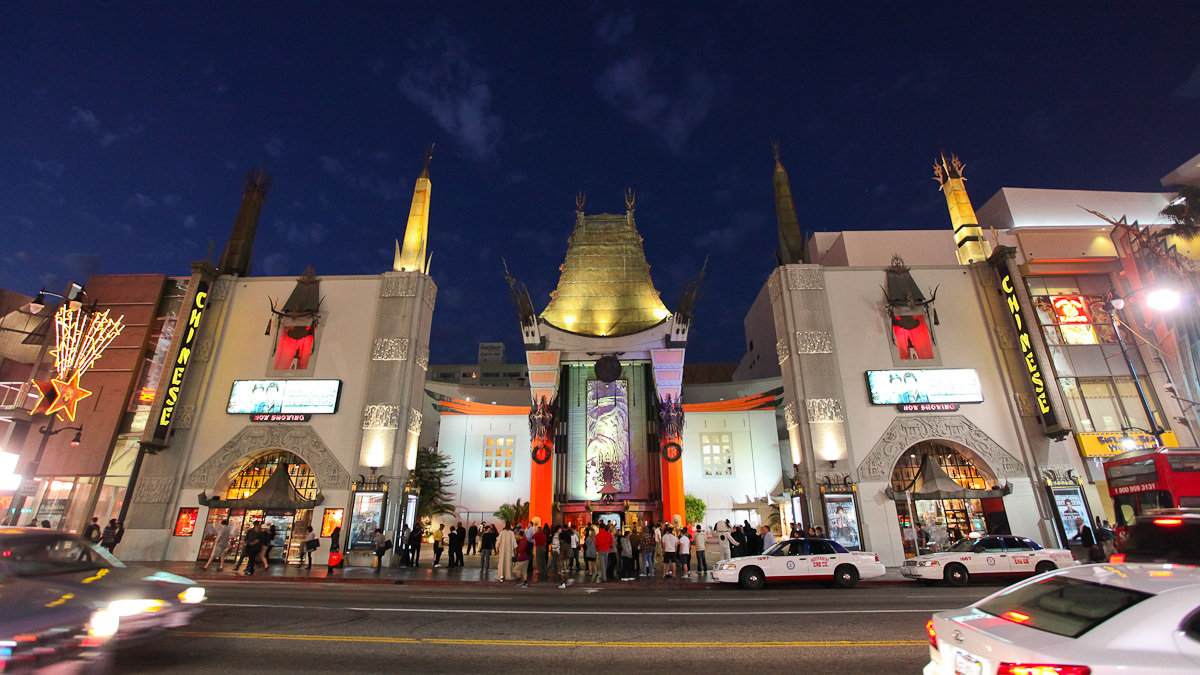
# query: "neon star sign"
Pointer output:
{"type": "Point", "coordinates": [80, 337]}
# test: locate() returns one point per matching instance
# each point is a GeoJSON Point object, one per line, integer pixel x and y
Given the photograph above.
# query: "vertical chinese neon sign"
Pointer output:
{"type": "Point", "coordinates": [1031, 363]}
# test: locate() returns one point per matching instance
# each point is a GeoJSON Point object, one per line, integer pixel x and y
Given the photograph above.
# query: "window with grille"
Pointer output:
{"type": "Point", "coordinates": [716, 452]}
{"type": "Point", "coordinates": [257, 472]}
{"type": "Point", "coordinates": [498, 458]}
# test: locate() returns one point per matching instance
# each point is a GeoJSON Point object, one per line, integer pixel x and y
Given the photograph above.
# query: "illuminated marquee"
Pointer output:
{"type": "Point", "coordinates": [1070, 309]}
{"type": "Point", "coordinates": [1031, 362]}
{"type": "Point", "coordinates": [181, 361]}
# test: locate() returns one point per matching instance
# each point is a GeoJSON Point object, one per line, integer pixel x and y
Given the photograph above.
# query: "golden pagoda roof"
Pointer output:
{"type": "Point", "coordinates": [605, 288]}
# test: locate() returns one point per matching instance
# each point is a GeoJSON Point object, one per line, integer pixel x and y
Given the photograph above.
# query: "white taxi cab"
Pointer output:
{"type": "Point", "coordinates": [806, 559]}
{"type": "Point", "coordinates": [997, 555]}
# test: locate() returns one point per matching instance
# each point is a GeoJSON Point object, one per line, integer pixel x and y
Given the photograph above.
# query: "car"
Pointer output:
{"type": "Point", "coordinates": [1089, 620]}
{"type": "Point", "coordinates": [1163, 536]}
{"type": "Point", "coordinates": [992, 555]}
{"type": "Point", "coordinates": [44, 630]}
{"type": "Point", "coordinates": [804, 559]}
{"type": "Point", "coordinates": [146, 602]}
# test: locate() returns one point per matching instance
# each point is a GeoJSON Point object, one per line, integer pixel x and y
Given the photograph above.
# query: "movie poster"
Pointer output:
{"type": "Point", "coordinates": [607, 466]}
{"type": "Point", "coordinates": [842, 516]}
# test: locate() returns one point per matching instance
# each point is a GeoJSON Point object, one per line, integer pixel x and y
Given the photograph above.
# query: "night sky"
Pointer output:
{"type": "Point", "coordinates": [126, 130]}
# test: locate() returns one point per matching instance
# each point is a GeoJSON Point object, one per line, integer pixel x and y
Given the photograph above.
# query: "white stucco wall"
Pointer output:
{"type": "Point", "coordinates": [757, 472]}
{"type": "Point", "coordinates": [462, 439]}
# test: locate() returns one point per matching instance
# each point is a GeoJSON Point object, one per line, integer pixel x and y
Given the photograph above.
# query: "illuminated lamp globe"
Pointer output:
{"type": "Point", "coordinates": [1129, 443]}
{"type": "Point", "coordinates": [1163, 299]}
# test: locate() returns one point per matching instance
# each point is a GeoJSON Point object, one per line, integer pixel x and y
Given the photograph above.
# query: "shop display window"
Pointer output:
{"type": "Point", "coordinates": [185, 522]}
{"type": "Point", "coordinates": [249, 479]}
{"type": "Point", "coordinates": [331, 521]}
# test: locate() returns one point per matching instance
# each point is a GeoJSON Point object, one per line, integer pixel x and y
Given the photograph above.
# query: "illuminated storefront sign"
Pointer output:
{"type": "Point", "coordinates": [1031, 363]}
{"type": "Point", "coordinates": [946, 385]}
{"type": "Point", "coordinates": [181, 361]}
{"type": "Point", "coordinates": [1070, 309]}
{"type": "Point", "coordinates": [1113, 443]}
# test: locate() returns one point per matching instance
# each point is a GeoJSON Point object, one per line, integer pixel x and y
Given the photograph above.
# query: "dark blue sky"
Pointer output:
{"type": "Point", "coordinates": [126, 130]}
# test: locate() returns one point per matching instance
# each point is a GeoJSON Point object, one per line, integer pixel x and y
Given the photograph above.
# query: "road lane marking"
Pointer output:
{"type": "Point", "coordinates": [443, 610]}
{"type": "Point", "coordinates": [550, 643]}
{"type": "Point", "coordinates": [459, 597]}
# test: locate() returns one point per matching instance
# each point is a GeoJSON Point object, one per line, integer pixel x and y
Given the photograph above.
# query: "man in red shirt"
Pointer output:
{"type": "Point", "coordinates": [604, 540]}
{"type": "Point", "coordinates": [540, 542]}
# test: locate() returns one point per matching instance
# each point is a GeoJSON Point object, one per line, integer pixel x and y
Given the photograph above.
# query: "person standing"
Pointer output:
{"type": "Point", "coordinates": [1087, 541]}
{"type": "Point", "coordinates": [93, 532]}
{"type": "Point", "coordinates": [254, 547]}
{"type": "Point", "coordinates": [472, 535]}
{"type": "Point", "coordinates": [684, 555]}
{"type": "Point", "coordinates": [455, 545]}
{"type": "Point", "coordinates": [438, 546]}
{"type": "Point", "coordinates": [565, 537]}
{"type": "Point", "coordinates": [737, 542]}
{"type": "Point", "coordinates": [540, 547]}
{"type": "Point", "coordinates": [310, 544]}
{"type": "Point", "coordinates": [220, 545]}
{"type": "Point", "coordinates": [506, 545]}
{"type": "Point", "coordinates": [604, 543]}
{"type": "Point", "coordinates": [111, 536]}
{"type": "Point", "coordinates": [722, 531]}
{"type": "Point", "coordinates": [646, 548]}
{"type": "Point", "coordinates": [381, 547]}
{"type": "Point", "coordinates": [335, 546]}
{"type": "Point", "coordinates": [523, 556]}
{"type": "Point", "coordinates": [268, 545]}
{"type": "Point", "coordinates": [414, 545]}
{"type": "Point", "coordinates": [701, 542]}
{"type": "Point", "coordinates": [487, 545]}
{"type": "Point", "coordinates": [626, 549]}
{"type": "Point", "coordinates": [589, 552]}
{"type": "Point", "coordinates": [574, 550]}
{"type": "Point", "coordinates": [768, 539]}
{"type": "Point", "coordinates": [669, 545]}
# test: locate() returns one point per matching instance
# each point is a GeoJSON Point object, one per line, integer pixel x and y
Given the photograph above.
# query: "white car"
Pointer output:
{"type": "Point", "coordinates": [804, 559]}
{"type": "Point", "coordinates": [1088, 620]}
{"type": "Point", "coordinates": [1000, 555]}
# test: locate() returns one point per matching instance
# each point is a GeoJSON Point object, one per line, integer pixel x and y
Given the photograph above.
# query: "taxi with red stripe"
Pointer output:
{"type": "Point", "coordinates": [989, 556]}
{"type": "Point", "coordinates": [804, 559]}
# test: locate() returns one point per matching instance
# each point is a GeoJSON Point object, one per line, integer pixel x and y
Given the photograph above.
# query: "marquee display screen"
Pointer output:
{"type": "Point", "coordinates": [284, 396]}
{"type": "Point", "coordinates": [951, 385]}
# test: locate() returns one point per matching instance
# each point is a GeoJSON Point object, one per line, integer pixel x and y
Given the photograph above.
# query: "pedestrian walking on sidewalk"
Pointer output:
{"type": "Point", "coordinates": [335, 547]}
{"type": "Point", "coordinates": [438, 545]}
{"type": "Point", "coordinates": [589, 551]}
{"type": "Point", "coordinates": [93, 532]}
{"type": "Point", "coordinates": [669, 544]}
{"type": "Point", "coordinates": [574, 550]}
{"type": "Point", "coordinates": [506, 549]}
{"type": "Point", "coordinates": [472, 535]}
{"type": "Point", "coordinates": [311, 543]}
{"type": "Point", "coordinates": [646, 548]}
{"type": "Point", "coordinates": [684, 553]}
{"type": "Point", "coordinates": [456, 544]}
{"type": "Point", "coordinates": [701, 542]}
{"type": "Point", "coordinates": [487, 545]}
{"type": "Point", "coordinates": [111, 536]}
{"type": "Point", "coordinates": [523, 558]}
{"type": "Point", "coordinates": [625, 546]}
{"type": "Point", "coordinates": [414, 545]}
{"type": "Point", "coordinates": [604, 543]}
{"type": "Point", "coordinates": [250, 533]}
{"type": "Point", "coordinates": [220, 545]}
{"type": "Point", "coordinates": [381, 548]}
{"type": "Point", "coordinates": [269, 544]}
{"type": "Point", "coordinates": [254, 547]}
{"type": "Point", "coordinates": [565, 537]}
{"type": "Point", "coordinates": [541, 548]}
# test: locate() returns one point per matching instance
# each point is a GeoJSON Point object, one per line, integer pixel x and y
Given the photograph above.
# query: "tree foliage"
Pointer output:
{"type": "Point", "coordinates": [694, 508]}
{"type": "Point", "coordinates": [432, 475]}
{"type": "Point", "coordinates": [1184, 213]}
{"type": "Point", "coordinates": [513, 513]}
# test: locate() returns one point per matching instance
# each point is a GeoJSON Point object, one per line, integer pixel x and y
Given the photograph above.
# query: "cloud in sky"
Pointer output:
{"type": "Point", "coordinates": [367, 181]}
{"type": "Point", "coordinates": [613, 28]}
{"type": "Point", "coordinates": [87, 121]}
{"type": "Point", "coordinates": [630, 87]}
{"type": "Point", "coordinates": [51, 167]}
{"type": "Point", "coordinates": [1189, 88]}
{"type": "Point", "coordinates": [140, 202]}
{"type": "Point", "coordinates": [443, 80]}
{"type": "Point", "coordinates": [273, 146]}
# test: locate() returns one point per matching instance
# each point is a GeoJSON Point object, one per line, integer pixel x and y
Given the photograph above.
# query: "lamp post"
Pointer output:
{"type": "Point", "coordinates": [48, 430]}
{"type": "Point", "coordinates": [1162, 300]}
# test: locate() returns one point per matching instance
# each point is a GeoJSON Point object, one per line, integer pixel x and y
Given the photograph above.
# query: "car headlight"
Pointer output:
{"type": "Point", "coordinates": [927, 563]}
{"type": "Point", "coordinates": [192, 595]}
{"type": "Point", "coordinates": [727, 566]}
{"type": "Point", "coordinates": [103, 624]}
{"type": "Point", "coordinates": [135, 607]}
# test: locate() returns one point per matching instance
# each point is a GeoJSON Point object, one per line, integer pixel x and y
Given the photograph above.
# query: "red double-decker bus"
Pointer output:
{"type": "Point", "coordinates": [1161, 479]}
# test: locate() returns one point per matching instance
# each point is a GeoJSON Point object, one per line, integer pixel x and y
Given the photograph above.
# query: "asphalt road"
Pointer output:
{"type": "Point", "coordinates": [348, 628]}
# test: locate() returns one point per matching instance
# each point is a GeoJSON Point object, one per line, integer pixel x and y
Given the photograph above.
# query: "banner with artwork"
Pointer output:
{"type": "Point", "coordinates": [607, 466]}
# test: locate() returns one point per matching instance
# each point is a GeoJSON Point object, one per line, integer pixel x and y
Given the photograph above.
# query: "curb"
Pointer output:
{"type": "Point", "coordinates": [688, 586]}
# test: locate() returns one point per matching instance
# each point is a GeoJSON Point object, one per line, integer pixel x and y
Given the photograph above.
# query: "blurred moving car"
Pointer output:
{"type": "Point", "coordinates": [996, 555]}
{"type": "Point", "coordinates": [806, 559]}
{"type": "Point", "coordinates": [1163, 536]}
{"type": "Point", "coordinates": [146, 602]}
{"type": "Point", "coordinates": [1089, 620]}
{"type": "Point", "coordinates": [44, 630]}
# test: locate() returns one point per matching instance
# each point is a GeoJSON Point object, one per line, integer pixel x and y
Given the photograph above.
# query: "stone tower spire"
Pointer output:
{"type": "Point", "coordinates": [411, 258]}
{"type": "Point", "coordinates": [240, 249]}
{"type": "Point", "coordinates": [972, 247]}
{"type": "Point", "coordinates": [791, 240]}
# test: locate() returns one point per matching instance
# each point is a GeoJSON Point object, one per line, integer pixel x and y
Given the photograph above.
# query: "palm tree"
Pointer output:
{"type": "Point", "coordinates": [513, 513]}
{"type": "Point", "coordinates": [1184, 213]}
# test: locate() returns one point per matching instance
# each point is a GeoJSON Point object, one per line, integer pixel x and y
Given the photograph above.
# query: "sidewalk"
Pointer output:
{"type": "Point", "coordinates": [468, 575]}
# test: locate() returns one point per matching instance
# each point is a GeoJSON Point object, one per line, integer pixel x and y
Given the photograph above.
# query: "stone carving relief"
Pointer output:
{"type": "Point", "coordinates": [399, 286]}
{"type": "Point", "coordinates": [154, 490]}
{"type": "Point", "coordinates": [1006, 336]}
{"type": "Point", "coordinates": [414, 420]}
{"type": "Point", "coordinates": [774, 286]}
{"type": "Point", "coordinates": [301, 440]}
{"type": "Point", "coordinates": [221, 288]}
{"type": "Point", "coordinates": [806, 279]}
{"type": "Point", "coordinates": [905, 432]}
{"type": "Point", "coordinates": [381, 416]}
{"type": "Point", "coordinates": [430, 295]}
{"type": "Point", "coordinates": [1025, 404]}
{"type": "Point", "coordinates": [1059, 473]}
{"type": "Point", "coordinates": [203, 350]}
{"type": "Point", "coordinates": [423, 356]}
{"type": "Point", "coordinates": [183, 417]}
{"type": "Point", "coordinates": [790, 417]}
{"type": "Point", "coordinates": [813, 342]}
{"type": "Point", "coordinates": [824, 410]}
{"type": "Point", "coordinates": [390, 349]}
{"type": "Point", "coordinates": [834, 477]}
{"type": "Point", "coordinates": [781, 348]}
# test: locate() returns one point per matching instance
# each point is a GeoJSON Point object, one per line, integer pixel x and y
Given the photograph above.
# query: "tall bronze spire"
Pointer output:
{"type": "Point", "coordinates": [411, 258]}
{"type": "Point", "coordinates": [972, 247]}
{"type": "Point", "coordinates": [791, 240]}
{"type": "Point", "coordinates": [240, 249]}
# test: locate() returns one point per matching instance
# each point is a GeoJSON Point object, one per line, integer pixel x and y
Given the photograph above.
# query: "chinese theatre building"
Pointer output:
{"type": "Point", "coordinates": [606, 430]}
{"type": "Point", "coordinates": [292, 402]}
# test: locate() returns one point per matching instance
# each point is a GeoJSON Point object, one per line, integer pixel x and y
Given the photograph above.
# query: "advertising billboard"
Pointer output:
{"type": "Point", "coordinates": [947, 385]}
{"type": "Point", "coordinates": [284, 396]}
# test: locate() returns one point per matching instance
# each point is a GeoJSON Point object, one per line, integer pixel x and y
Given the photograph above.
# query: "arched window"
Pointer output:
{"type": "Point", "coordinates": [257, 472]}
{"type": "Point", "coordinates": [950, 460]}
